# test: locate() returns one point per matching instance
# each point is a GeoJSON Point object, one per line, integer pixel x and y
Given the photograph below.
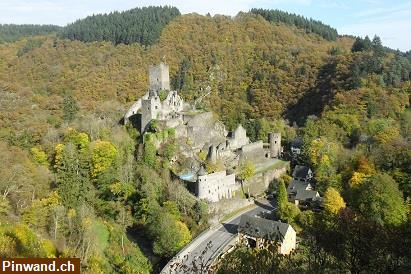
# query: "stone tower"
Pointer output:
{"type": "Point", "coordinates": [150, 109]}
{"type": "Point", "coordinates": [274, 139]}
{"type": "Point", "coordinates": [159, 77]}
{"type": "Point", "coordinates": [212, 154]}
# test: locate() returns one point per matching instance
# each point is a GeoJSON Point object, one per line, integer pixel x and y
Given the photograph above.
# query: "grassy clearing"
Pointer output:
{"type": "Point", "coordinates": [278, 164]}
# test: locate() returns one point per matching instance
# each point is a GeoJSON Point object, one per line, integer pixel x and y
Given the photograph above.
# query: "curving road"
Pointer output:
{"type": "Point", "coordinates": [200, 253]}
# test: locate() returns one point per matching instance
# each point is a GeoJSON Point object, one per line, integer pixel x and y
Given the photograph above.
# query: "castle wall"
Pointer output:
{"type": "Point", "coordinates": [250, 148]}
{"type": "Point", "coordinates": [260, 182]}
{"type": "Point", "coordinates": [253, 152]}
{"type": "Point", "coordinates": [150, 109]}
{"type": "Point", "coordinates": [216, 186]}
{"type": "Point", "coordinates": [135, 108]}
{"type": "Point", "coordinates": [239, 138]}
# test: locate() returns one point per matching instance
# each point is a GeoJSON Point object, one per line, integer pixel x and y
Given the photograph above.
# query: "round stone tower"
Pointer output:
{"type": "Point", "coordinates": [274, 139]}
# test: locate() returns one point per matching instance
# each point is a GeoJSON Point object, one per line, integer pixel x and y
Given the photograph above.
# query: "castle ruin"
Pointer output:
{"type": "Point", "coordinates": [199, 131]}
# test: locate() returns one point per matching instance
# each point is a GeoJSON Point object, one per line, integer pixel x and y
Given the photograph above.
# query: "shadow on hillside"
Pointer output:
{"type": "Point", "coordinates": [139, 237]}
{"type": "Point", "coordinates": [315, 99]}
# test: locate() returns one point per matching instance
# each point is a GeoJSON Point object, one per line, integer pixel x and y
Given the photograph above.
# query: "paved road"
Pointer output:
{"type": "Point", "coordinates": [202, 251]}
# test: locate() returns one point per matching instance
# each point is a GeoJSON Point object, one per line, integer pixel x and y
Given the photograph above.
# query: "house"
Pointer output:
{"type": "Point", "coordinates": [302, 173]}
{"type": "Point", "coordinates": [302, 192]}
{"type": "Point", "coordinates": [297, 185]}
{"type": "Point", "coordinates": [296, 146]}
{"type": "Point", "coordinates": [259, 232]}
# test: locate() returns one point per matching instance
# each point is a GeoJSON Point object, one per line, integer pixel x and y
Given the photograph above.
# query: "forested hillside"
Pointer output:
{"type": "Point", "coordinates": [139, 25]}
{"type": "Point", "coordinates": [12, 32]}
{"type": "Point", "coordinates": [310, 25]}
{"type": "Point", "coordinates": [74, 181]}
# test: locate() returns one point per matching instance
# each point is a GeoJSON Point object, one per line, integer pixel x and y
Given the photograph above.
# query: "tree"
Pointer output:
{"type": "Point", "coordinates": [70, 107]}
{"type": "Point", "coordinates": [104, 154]}
{"type": "Point", "coordinates": [282, 198]}
{"type": "Point", "coordinates": [361, 44]}
{"type": "Point", "coordinates": [333, 202]}
{"type": "Point", "coordinates": [170, 234]}
{"type": "Point", "coordinates": [150, 151]}
{"type": "Point", "coordinates": [141, 25]}
{"type": "Point", "coordinates": [4, 206]}
{"type": "Point", "coordinates": [381, 201]}
{"type": "Point", "coordinates": [73, 178]}
{"type": "Point", "coordinates": [377, 46]}
{"type": "Point", "coordinates": [246, 171]}
{"type": "Point", "coordinates": [289, 212]}
{"type": "Point", "coordinates": [39, 156]}
{"type": "Point", "coordinates": [170, 150]}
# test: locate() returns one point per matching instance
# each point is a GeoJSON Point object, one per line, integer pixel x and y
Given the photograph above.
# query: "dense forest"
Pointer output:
{"type": "Point", "coordinates": [139, 25]}
{"type": "Point", "coordinates": [12, 32]}
{"type": "Point", "coordinates": [75, 182]}
{"type": "Point", "coordinates": [310, 25]}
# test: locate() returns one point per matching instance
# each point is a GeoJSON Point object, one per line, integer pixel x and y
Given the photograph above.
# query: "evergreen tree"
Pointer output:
{"type": "Point", "coordinates": [139, 25]}
{"type": "Point", "coordinates": [310, 25]}
{"type": "Point", "coordinates": [73, 177]}
{"type": "Point", "coordinates": [12, 32]}
{"type": "Point", "coordinates": [282, 198]}
{"type": "Point", "coordinates": [70, 107]}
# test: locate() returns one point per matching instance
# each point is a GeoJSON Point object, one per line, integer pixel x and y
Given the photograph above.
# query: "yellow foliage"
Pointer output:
{"type": "Point", "coordinates": [94, 264]}
{"type": "Point", "coordinates": [214, 167]}
{"type": "Point", "coordinates": [185, 232]}
{"type": "Point", "coordinates": [39, 156]}
{"type": "Point", "coordinates": [246, 171]}
{"type": "Point", "coordinates": [86, 223]}
{"type": "Point", "coordinates": [71, 213]}
{"type": "Point", "coordinates": [116, 188]}
{"type": "Point", "coordinates": [387, 135]}
{"type": "Point", "coordinates": [23, 234]}
{"type": "Point", "coordinates": [202, 155]}
{"type": "Point", "coordinates": [58, 155]}
{"type": "Point", "coordinates": [357, 179]}
{"type": "Point", "coordinates": [333, 202]}
{"type": "Point", "coordinates": [80, 139]}
{"type": "Point", "coordinates": [48, 248]}
{"type": "Point", "coordinates": [103, 155]}
{"type": "Point", "coordinates": [325, 160]}
{"type": "Point", "coordinates": [7, 246]}
{"type": "Point", "coordinates": [314, 150]}
{"type": "Point", "coordinates": [41, 209]}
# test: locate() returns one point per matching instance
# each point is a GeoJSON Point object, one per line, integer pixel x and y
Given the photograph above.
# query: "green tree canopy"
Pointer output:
{"type": "Point", "coordinates": [380, 200]}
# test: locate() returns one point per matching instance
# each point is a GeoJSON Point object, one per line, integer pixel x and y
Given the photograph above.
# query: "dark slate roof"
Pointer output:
{"type": "Point", "coordinates": [297, 143]}
{"type": "Point", "coordinates": [306, 195]}
{"type": "Point", "coordinates": [262, 228]}
{"type": "Point", "coordinates": [296, 186]}
{"type": "Point", "coordinates": [300, 171]}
